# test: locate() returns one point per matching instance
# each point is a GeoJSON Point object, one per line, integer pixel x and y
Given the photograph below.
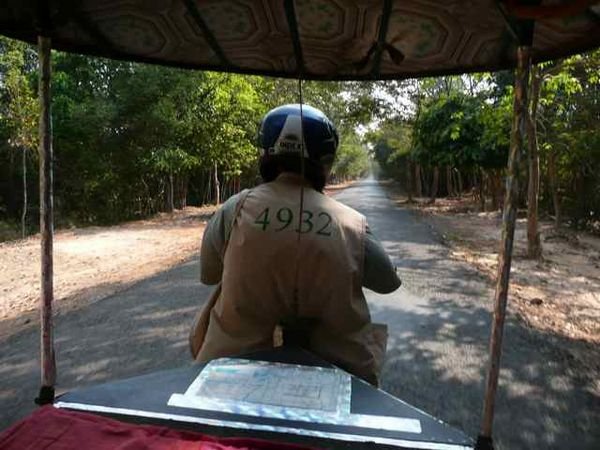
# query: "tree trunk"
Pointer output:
{"type": "Point", "coordinates": [449, 187]}
{"type": "Point", "coordinates": [409, 180]}
{"type": "Point", "coordinates": [481, 190]}
{"type": "Point", "coordinates": [460, 183]}
{"type": "Point", "coordinates": [217, 186]}
{"type": "Point", "coordinates": [170, 195]}
{"type": "Point", "coordinates": [208, 191]}
{"type": "Point", "coordinates": [13, 190]}
{"type": "Point", "coordinates": [182, 191]}
{"type": "Point", "coordinates": [435, 184]}
{"type": "Point", "coordinates": [499, 187]}
{"type": "Point", "coordinates": [492, 190]}
{"type": "Point", "coordinates": [418, 185]}
{"type": "Point", "coordinates": [553, 181]}
{"type": "Point", "coordinates": [534, 244]}
{"type": "Point", "coordinates": [226, 189]}
{"type": "Point", "coordinates": [496, 188]}
{"type": "Point", "coordinates": [24, 214]}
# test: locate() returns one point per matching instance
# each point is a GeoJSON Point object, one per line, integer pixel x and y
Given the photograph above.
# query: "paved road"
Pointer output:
{"type": "Point", "coordinates": [439, 326]}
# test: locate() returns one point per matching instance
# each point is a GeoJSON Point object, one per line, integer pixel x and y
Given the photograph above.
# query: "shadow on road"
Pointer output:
{"type": "Point", "coordinates": [439, 330]}
{"type": "Point", "coordinates": [145, 329]}
{"type": "Point", "coordinates": [543, 401]}
{"type": "Point", "coordinates": [439, 326]}
{"type": "Point", "coordinates": [139, 330]}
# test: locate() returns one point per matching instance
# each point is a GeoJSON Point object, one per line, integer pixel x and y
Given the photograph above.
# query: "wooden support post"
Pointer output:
{"type": "Point", "coordinates": [508, 230]}
{"type": "Point", "coordinates": [48, 365]}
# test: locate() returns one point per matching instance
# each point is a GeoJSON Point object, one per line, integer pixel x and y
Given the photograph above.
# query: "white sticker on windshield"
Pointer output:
{"type": "Point", "coordinates": [282, 391]}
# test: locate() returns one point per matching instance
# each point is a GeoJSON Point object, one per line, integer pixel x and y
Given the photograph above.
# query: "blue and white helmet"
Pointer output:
{"type": "Point", "coordinates": [281, 134]}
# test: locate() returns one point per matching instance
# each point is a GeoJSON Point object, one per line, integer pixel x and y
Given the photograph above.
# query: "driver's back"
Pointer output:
{"type": "Point", "coordinates": [284, 262]}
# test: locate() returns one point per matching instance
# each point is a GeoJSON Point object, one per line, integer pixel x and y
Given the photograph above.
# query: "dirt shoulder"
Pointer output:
{"type": "Point", "coordinates": [331, 189]}
{"type": "Point", "coordinates": [560, 293]}
{"type": "Point", "coordinates": [92, 263]}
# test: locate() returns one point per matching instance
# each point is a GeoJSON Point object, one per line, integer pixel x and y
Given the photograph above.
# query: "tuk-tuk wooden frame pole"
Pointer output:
{"type": "Point", "coordinates": [48, 366]}
{"type": "Point", "coordinates": [508, 231]}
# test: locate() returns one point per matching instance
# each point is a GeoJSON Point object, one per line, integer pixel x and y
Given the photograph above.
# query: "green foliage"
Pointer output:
{"type": "Point", "coordinates": [352, 160]}
{"type": "Point", "coordinates": [347, 104]}
{"type": "Point", "coordinates": [569, 134]}
{"type": "Point", "coordinates": [171, 160]}
{"type": "Point", "coordinates": [128, 130]}
{"type": "Point", "coordinates": [495, 120]}
{"type": "Point", "coordinates": [20, 106]}
{"type": "Point", "coordinates": [391, 145]}
{"type": "Point", "coordinates": [464, 123]}
{"type": "Point", "coordinates": [18, 126]}
{"type": "Point", "coordinates": [461, 131]}
{"type": "Point", "coordinates": [129, 137]}
{"type": "Point", "coordinates": [231, 130]}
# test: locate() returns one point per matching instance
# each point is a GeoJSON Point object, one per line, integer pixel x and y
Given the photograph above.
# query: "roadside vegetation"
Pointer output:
{"type": "Point", "coordinates": [446, 149]}
{"type": "Point", "coordinates": [452, 139]}
{"type": "Point", "coordinates": [132, 140]}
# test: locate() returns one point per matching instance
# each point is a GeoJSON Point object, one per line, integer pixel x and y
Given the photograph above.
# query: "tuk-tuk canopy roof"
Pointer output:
{"type": "Point", "coordinates": [312, 39]}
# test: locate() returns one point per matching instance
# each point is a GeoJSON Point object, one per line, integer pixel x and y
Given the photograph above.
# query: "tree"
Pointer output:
{"type": "Point", "coordinates": [491, 155]}
{"type": "Point", "coordinates": [352, 160]}
{"type": "Point", "coordinates": [21, 108]}
{"type": "Point", "coordinates": [391, 146]}
{"type": "Point", "coordinates": [131, 139]}
{"type": "Point", "coordinates": [172, 162]}
{"type": "Point", "coordinates": [449, 132]}
{"type": "Point", "coordinates": [534, 244]}
{"type": "Point", "coordinates": [346, 104]}
{"type": "Point", "coordinates": [569, 138]}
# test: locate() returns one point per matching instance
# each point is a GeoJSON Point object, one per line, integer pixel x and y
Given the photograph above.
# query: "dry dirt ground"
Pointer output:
{"type": "Point", "coordinates": [95, 262]}
{"type": "Point", "coordinates": [558, 293]}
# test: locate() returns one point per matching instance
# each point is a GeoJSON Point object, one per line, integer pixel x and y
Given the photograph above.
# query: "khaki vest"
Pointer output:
{"type": "Point", "coordinates": [280, 265]}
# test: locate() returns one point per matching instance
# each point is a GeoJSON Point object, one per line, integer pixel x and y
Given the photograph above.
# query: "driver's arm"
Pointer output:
{"type": "Point", "coordinates": [215, 236]}
{"type": "Point", "coordinates": [379, 274]}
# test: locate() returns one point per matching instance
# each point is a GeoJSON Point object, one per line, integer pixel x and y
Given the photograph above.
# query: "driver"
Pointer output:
{"type": "Point", "coordinates": [285, 253]}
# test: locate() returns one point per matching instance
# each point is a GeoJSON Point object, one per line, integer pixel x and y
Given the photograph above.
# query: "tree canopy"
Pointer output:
{"type": "Point", "coordinates": [131, 139]}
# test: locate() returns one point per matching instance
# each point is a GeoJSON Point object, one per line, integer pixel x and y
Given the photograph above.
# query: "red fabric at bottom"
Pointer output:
{"type": "Point", "coordinates": [55, 429]}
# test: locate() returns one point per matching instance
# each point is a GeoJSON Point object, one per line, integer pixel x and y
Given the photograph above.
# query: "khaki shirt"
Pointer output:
{"type": "Point", "coordinates": [379, 274]}
{"type": "Point", "coordinates": [284, 262]}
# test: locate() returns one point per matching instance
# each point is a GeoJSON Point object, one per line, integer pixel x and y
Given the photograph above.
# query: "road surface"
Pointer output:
{"type": "Point", "coordinates": [439, 325]}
